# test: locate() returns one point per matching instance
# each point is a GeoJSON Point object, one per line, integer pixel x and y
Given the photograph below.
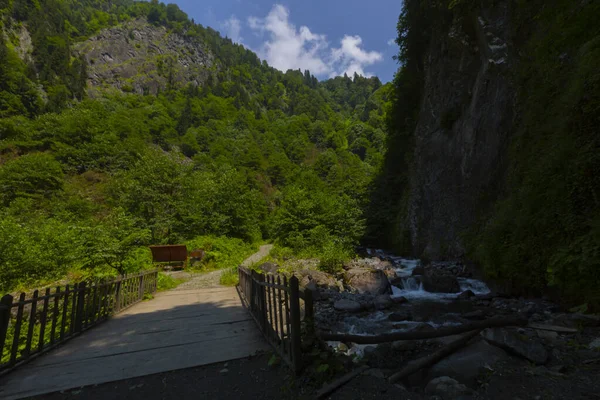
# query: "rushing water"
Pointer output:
{"type": "Point", "coordinates": [435, 309]}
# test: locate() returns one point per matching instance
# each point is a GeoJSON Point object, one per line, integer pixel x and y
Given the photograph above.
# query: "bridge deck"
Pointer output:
{"type": "Point", "coordinates": [177, 329]}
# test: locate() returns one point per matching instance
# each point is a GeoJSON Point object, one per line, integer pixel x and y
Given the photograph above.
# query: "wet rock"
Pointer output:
{"type": "Point", "coordinates": [400, 316]}
{"type": "Point", "coordinates": [347, 305]}
{"type": "Point", "coordinates": [548, 336]}
{"type": "Point", "coordinates": [423, 327]}
{"type": "Point", "coordinates": [405, 345]}
{"type": "Point", "coordinates": [376, 372]}
{"type": "Point", "coordinates": [447, 388]}
{"type": "Point", "coordinates": [477, 314]}
{"type": "Point", "coordinates": [517, 344]}
{"type": "Point", "coordinates": [467, 294]}
{"type": "Point", "coordinates": [369, 351]}
{"type": "Point", "coordinates": [440, 281]}
{"type": "Point", "coordinates": [577, 320]}
{"type": "Point", "coordinates": [420, 270]}
{"type": "Point", "coordinates": [399, 300]}
{"type": "Point", "coordinates": [322, 280]}
{"type": "Point", "coordinates": [370, 281]}
{"type": "Point", "coordinates": [269, 268]}
{"type": "Point", "coordinates": [595, 344]}
{"type": "Point", "coordinates": [383, 302]}
{"type": "Point", "coordinates": [467, 363]}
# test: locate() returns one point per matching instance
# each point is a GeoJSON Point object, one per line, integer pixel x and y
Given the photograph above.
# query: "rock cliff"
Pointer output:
{"type": "Point", "coordinates": [463, 129]}
{"type": "Point", "coordinates": [142, 58]}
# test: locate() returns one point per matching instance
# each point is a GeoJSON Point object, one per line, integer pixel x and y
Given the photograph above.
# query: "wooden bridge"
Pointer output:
{"type": "Point", "coordinates": [177, 329]}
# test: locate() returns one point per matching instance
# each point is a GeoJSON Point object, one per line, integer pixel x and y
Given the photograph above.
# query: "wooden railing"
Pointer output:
{"type": "Point", "coordinates": [32, 326]}
{"type": "Point", "coordinates": [274, 303]}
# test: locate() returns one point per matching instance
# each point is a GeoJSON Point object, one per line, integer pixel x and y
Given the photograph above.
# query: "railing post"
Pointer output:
{"type": "Point", "coordinates": [295, 324]}
{"type": "Point", "coordinates": [80, 307]}
{"type": "Point", "coordinates": [5, 307]}
{"type": "Point", "coordinates": [309, 312]}
{"type": "Point", "coordinates": [117, 306]}
{"type": "Point", "coordinates": [141, 287]}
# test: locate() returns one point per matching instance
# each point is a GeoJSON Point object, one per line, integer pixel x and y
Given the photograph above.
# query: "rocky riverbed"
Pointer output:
{"type": "Point", "coordinates": [382, 293]}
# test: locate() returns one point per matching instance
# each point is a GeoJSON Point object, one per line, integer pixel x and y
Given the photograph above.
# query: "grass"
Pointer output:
{"type": "Point", "coordinates": [230, 277]}
{"type": "Point", "coordinates": [167, 282]}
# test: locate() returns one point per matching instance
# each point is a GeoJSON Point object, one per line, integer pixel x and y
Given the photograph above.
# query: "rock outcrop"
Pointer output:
{"type": "Point", "coordinates": [372, 281]}
{"type": "Point", "coordinates": [142, 58]}
{"type": "Point", "coordinates": [463, 129]}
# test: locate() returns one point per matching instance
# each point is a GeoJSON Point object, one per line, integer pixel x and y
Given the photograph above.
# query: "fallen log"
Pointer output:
{"type": "Point", "coordinates": [431, 359]}
{"type": "Point", "coordinates": [330, 387]}
{"type": "Point", "coordinates": [552, 328]}
{"type": "Point", "coordinates": [494, 322]}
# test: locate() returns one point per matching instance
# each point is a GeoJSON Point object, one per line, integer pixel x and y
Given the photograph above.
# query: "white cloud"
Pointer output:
{"type": "Point", "coordinates": [287, 47]}
{"type": "Point", "coordinates": [233, 28]}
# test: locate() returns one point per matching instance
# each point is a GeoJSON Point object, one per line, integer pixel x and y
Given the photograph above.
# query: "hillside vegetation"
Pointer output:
{"type": "Point", "coordinates": [94, 170]}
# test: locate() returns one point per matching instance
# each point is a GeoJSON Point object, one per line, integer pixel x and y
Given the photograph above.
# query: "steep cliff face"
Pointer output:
{"type": "Point", "coordinates": [463, 128]}
{"type": "Point", "coordinates": [142, 58]}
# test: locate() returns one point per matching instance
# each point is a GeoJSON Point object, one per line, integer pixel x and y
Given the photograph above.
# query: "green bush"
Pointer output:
{"type": "Point", "coordinates": [221, 252]}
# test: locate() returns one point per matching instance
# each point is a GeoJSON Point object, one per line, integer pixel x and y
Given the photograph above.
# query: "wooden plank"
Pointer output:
{"type": "Point", "coordinates": [55, 315]}
{"type": "Point", "coordinates": [32, 315]}
{"type": "Point", "coordinates": [80, 309]}
{"type": "Point", "coordinates": [17, 334]}
{"type": "Point", "coordinates": [296, 328]}
{"type": "Point", "coordinates": [5, 312]}
{"type": "Point", "coordinates": [281, 317]}
{"type": "Point", "coordinates": [43, 319]}
{"type": "Point", "coordinates": [74, 297]}
{"type": "Point", "coordinates": [553, 328]}
{"type": "Point", "coordinates": [94, 303]}
{"type": "Point", "coordinates": [288, 323]}
{"type": "Point", "coordinates": [63, 321]}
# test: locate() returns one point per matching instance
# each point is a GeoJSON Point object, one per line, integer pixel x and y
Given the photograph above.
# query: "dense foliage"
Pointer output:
{"type": "Point", "coordinates": [253, 153]}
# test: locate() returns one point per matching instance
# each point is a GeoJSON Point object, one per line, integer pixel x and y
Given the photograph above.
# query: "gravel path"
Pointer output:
{"type": "Point", "coordinates": [256, 257]}
{"type": "Point", "coordinates": [212, 279]}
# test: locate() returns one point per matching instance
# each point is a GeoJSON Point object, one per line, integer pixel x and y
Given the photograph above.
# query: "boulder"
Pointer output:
{"type": "Point", "coordinates": [467, 294]}
{"type": "Point", "coordinates": [440, 281]}
{"type": "Point", "coordinates": [467, 363]}
{"type": "Point", "coordinates": [399, 299]}
{"type": "Point", "coordinates": [519, 345]}
{"type": "Point", "coordinates": [447, 388]}
{"type": "Point", "coordinates": [577, 320]}
{"type": "Point", "coordinates": [400, 316]}
{"type": "Point", "coordinates": [321, 279]}
{"type": "Point", "coordinates": [383, 302]}
{"type": "Point", "coordinates": [269, 268]}
{"type": "Point", "coordinates": [371, 281]}
{"type": "Point", "coordinates": [420, 270]}
{"type": "Point", "coordinates": [347, 305]}
{"type": "Point", "coordinates": [477, 314]}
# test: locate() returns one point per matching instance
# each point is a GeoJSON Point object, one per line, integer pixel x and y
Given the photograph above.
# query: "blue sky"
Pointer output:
{"type": "Point", "coordinates": [328, 37]}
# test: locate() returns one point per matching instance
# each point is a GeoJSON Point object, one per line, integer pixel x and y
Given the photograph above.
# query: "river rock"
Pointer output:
{"type": "Point", "coordinates": [447, 388]}
{"type": "Point", "coordinates": [595, 344]}
{"type": "Point", "coordinates": [269, 268]}
{"type": "Point", "coordinates": [477, 314]}
{"type": "Point", "coordinates": [440, 281]}
{"type": "Point", "coordinates": [382, 302]}
{"type": "Point", "coordinates": [399, 299]}
{"type": "Point", "coordinates": [420, 270]}
{"type": "Point", "coordinates": [577, 320]}
{"type": "Point", "coordinates": [321, 279]}
{"type": "Point", "coordinates": [517, 344]}
{"type": "Point", "coordinates": [371, 281]}
{"type": "Point", "coordinates": [467, 294]}
{"type": "Point", "coordinates": [400, 316]}
{"type": "Point", "coordinates": [467, 363]}
{"type": "Point", "coordinates": [347, 305]}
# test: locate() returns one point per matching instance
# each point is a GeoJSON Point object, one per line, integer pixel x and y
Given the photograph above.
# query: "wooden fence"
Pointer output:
{"type": "Point", "coordinates": [274, 303]}
{"type": "Point", "coordinates": [32, 326]}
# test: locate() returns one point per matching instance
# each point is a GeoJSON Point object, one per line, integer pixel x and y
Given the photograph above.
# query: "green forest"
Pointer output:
{"type": "Point", "coordinates": [252, 154]}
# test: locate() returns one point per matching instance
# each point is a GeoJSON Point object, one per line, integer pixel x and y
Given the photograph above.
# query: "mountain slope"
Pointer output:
{"type": "Point", "coordinates": [146, 128]}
